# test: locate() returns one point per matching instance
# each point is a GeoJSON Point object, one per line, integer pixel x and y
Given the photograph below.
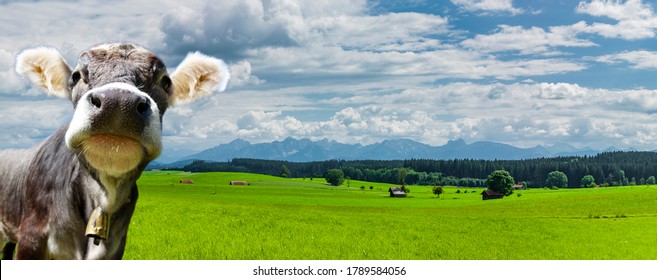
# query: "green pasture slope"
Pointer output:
{"type": "Point", "coordinates": [276, 218]}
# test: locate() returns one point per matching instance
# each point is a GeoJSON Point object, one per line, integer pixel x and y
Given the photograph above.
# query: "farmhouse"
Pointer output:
{"type": "Point", "coordinates": [187, 181]}
{"type": "Point", "coordinates": [239, 183]}
{"type": "Point", "coordinates": [519, 187]}
{"type": "Point", "coordinates": [489, 194]}
{"type": "Point", "coordinates": [396, 192]}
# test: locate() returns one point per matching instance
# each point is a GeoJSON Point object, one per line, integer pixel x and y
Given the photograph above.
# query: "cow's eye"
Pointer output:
{"type": "Point", "coordinates": [139, 82]}
{"type": "Point", "coordinates": [165, 83]}
{"type": "Point", "coordinates": [74, 79]}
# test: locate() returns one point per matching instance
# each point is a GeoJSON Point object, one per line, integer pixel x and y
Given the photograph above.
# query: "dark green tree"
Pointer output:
{"type": "Point", "coordinates": [437, 190]}
{"type": "Point", "coordinates": [500, 181]}
{"type": "Point", "coordinates": [651, 180]}
{"type": "Point", "coordinates": [334, 177]}
{"type": "Point", "coordinates": [587, 181]}
{"type": "Point", "coordinates": [557, 179]}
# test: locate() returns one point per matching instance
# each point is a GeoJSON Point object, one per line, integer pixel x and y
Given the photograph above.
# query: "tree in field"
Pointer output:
{"type": "Point", "coordinates": [557, 179]}
{"type": "Point", "coordinates": [334, 177]}
{"type": "Point", "coordinates": [500, 181]}
{"type": "Point", "coordinates": [651, 180]}
{"type": "Point", "coordinates": [437, 190]}
{"type": "Point", "coordinates": [588, 182]}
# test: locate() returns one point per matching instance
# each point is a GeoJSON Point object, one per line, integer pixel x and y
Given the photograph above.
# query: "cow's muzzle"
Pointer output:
{"type": "Point", "coordinates": [115, 127]}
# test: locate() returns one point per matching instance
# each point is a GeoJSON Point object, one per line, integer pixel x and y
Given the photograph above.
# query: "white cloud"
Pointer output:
{"type": "Point", "coordinates": [241, 74]}
{"type": "Point", "coordinates": [255, 119]}
{"type": "Point", "coordinates": [496, 6]}
{"type": "Point", "coordinates": [228, 27]}
{"type": "Point", "coordinates": [533, 40]}
{"type": "Point", "coordinates": [11, 82]}
{"type": "Point", "coordinates": [389, 32]}
{"type": "Point", "coordinates": [638, 59]}
{"type": "Point", "coordinates": [635, 19]}
{"type": "Point", "coordinates": [260, 126]}
{"type": "Point", "coordinates": [630, 9]}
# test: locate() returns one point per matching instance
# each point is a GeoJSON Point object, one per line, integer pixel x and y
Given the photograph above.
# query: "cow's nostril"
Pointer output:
{"type": "Point", "coordinates": [143, 108]}
{"type": "Point", "coordinates": [95, 100]}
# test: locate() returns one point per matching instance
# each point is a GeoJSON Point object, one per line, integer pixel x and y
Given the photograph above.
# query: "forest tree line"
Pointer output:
{"type": "Point", "coordinates": [609, 168]}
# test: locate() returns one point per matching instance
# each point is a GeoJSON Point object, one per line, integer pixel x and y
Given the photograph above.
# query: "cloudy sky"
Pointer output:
{"type": "Point", "coordinates": [524, 73]}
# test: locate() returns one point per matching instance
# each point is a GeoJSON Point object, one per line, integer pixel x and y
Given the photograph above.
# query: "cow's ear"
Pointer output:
{"type": "Point", "coordinates": [46, 68]}
{"type": "Point", "coordinates": [196, 76]}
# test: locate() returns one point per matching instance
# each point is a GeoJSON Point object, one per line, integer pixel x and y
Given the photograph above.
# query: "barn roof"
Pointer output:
{"type": "Point", "coordinates": [491, 193]}
{"type": "Point", "coordinates": [396, 192]}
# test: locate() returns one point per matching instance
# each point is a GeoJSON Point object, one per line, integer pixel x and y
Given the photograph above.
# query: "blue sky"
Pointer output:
{"type": "Point", "coordinates": [524, 73]}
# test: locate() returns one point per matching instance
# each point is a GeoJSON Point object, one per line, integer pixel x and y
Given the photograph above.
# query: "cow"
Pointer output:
{"type": "Point", "coordinates": [73, 195]}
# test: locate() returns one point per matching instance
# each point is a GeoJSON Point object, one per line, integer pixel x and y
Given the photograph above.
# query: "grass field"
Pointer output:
{"type": "Point", "coordinates": [276, 218]}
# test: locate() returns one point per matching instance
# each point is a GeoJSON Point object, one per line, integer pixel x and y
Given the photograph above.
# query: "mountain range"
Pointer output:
{"type": "Point", "coordinates": [305, 150]}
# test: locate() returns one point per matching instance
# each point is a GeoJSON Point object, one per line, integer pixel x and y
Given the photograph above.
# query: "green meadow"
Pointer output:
{"type": "Point", "coordinates": [303, 219]}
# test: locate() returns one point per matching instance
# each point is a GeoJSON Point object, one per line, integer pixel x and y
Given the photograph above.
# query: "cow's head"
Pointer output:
{"type": "Point", "coordinates": [120, 92]}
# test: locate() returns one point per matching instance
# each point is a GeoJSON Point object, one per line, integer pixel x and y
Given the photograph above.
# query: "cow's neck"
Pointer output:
{"type": "Point", "coordinates": [117, 192]}
{"type": "Point", "coordinates": [110, 192]}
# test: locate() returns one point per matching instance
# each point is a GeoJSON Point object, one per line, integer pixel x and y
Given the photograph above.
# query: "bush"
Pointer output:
{"type": "Point", "coordinates": [371, 187]}
{"type": "Point", "coordinates": [587, 181]}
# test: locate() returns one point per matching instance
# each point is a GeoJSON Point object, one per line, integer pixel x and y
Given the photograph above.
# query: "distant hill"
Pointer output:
{"type": "Point", "coordinates": [305, 150]}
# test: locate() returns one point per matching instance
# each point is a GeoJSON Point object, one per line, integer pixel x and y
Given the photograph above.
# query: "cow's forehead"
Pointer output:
{"type": "Point", "coordinates": [121, 51]}
{"type": "Point", "coordinates": [117, 46]}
